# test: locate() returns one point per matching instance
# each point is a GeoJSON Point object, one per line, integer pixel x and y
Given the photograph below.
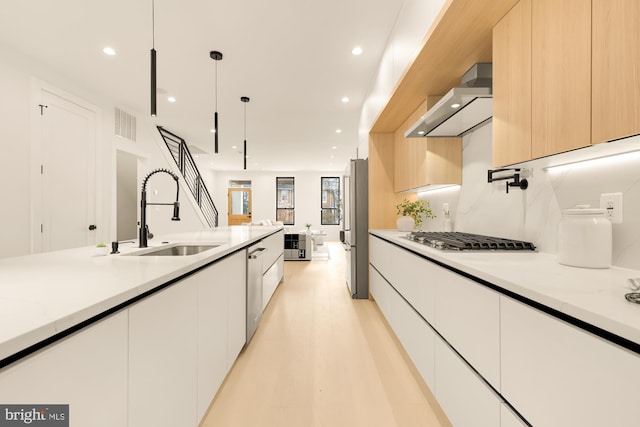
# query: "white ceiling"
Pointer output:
{"type": "Point", "coordinates": [291, 57]}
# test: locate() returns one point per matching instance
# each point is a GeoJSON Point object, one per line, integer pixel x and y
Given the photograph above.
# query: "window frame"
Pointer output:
{"type": "Point", "coordinates": [290, 211]}
{"type": "Point", "coordinates": [336, 208]}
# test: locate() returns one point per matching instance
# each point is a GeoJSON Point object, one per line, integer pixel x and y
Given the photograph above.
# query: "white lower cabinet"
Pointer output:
{"type": "Point", "coordinates": [163, 358]}
{"type": "Point", "coordinates": [87, 370]}
{"type": "Point", "coordinates": [271, 279]}
{"type": "Point", "coordinates": [416, 336]}
{"type": "Point", "coordinates": [381, 292]}
{"type": "Point", "coordinates": [467, 400]}
{"type": "Point", "coordinates": [235, 272]}
{"type": "Point", "coordinates": [557, 375]}
{"type": "Point", "coordinates": [468, 316]}
{"type": "Point", "coordinates": [508, 418]}
{"type": "Point", "coordinates": [221, 324]}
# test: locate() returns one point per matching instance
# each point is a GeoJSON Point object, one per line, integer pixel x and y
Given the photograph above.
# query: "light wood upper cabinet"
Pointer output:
{"type": "Point", "coordinates": [419, 162]}
{"type": "Point", "coordinates": [561, 75]}
{"type": "Point", "coordinates": [616, 69]}
{"type": "Point", "coordinates": [512, 86]}
{"type": "Point", "coordinates": [541, 80]}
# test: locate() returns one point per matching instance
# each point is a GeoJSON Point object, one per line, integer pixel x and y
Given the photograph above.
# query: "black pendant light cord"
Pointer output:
{"type": "Point", "coordinates": [245, 100]}
{"type": "Point", "coordinates": [153, 59]}
{"type": "Point", "coordinates": [216, 56]}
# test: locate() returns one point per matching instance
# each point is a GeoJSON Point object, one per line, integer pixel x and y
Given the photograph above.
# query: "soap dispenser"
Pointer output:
{"type": "Point", "coordinates": [448, 226]}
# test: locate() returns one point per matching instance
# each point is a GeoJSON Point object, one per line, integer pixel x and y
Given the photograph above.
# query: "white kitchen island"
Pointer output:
{"type": "Point", "coordinates": [128, 340]}
{"type": "Point", "coordinates": [501, 337]}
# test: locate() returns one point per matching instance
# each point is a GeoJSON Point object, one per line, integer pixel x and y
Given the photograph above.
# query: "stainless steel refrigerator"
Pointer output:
{"type": "Point", "coordinates": [356, 227]}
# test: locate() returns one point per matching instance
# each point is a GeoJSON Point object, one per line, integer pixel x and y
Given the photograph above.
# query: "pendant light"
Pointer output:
{"type": "Point", "coordinates": [153, 58]}
{"type": "Point", "coordinates": [216, 56]}
{"type": "Point", "coordinates": [245, 100]}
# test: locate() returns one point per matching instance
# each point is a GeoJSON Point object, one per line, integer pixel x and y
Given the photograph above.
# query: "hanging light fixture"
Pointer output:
{"type": "Point", "coordinates": [216, 56]}
{"type": "Point", "coordinates": [153, 58]}
{"type": "Point", "coordinates": [245, 100]}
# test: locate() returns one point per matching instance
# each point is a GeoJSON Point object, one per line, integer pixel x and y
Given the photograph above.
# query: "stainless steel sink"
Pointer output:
{"type": "Point", "coordinates": [176, 250]}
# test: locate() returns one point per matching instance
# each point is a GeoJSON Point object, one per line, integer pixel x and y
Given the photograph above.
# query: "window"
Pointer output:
{"type": "Point", "coordinates": [285, 200]}
{"type": "Point", "coordinates": [330, 190]}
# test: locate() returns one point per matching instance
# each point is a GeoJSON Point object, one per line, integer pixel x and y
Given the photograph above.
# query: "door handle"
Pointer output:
{"type": "Point", "coordinates": [92, 227]}
{"type": "Point", "coordinates": [255, 254]}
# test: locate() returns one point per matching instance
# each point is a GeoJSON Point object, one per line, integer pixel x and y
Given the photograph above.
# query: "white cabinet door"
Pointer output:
{"type": "Point", "coordinates": [271, 280]}
{"type": "Point", "coordinates": [416, 336]}
{"type": "Point", "coordinates": [468, 317]}
{"type": "Point", "coordinates": [381, 292]}
{"type": "Point", "coordinates": [162, 357]}
{"type": "Point", "coordinates": [212, 333]}
{"type": "Point", "coordinates": [235, 270]}
{"type": "Point", "coordinates": [410, 274]}
{"type": "Point", "coordinates": [87, 370]}
{"type": "Point", "coordinates": [508, 418]}
{"type": "Point", "coordinates": [275, 248]}
{"type": "Point", "coordinates": [467, 401]}
{"type": "Point", "coordinates": [558, 375]}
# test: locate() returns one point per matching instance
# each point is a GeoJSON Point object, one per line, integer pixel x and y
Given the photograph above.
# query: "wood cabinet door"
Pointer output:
{"type": "Point", "coordinates": [616, 69]}
{"type": "Point", "coordinates": [561, 76]}
{"type": "Point", "coordinates": [512, 86]}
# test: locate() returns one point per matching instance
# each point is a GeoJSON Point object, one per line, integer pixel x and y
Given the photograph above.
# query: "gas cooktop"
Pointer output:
{"type": "Point", "coordinates": [456, 241]}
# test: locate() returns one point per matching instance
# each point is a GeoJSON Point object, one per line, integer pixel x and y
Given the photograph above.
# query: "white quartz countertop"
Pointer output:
{"type": "Point", "coordinates": [595, 296]}
{"type": "Point", "coordinates": [44, 294]}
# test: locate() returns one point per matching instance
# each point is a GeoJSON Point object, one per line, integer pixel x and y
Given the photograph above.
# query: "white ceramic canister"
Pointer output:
{"type": "Point", "coordinates": [584, 238]}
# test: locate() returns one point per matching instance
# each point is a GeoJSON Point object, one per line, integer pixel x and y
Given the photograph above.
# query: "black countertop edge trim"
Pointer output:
{"type": "Point", "coordinates": [595, 330]}
{"type": "Point", "coordinates": [79, 326]}
{"type": "Point", "coordinates": [452, 348]}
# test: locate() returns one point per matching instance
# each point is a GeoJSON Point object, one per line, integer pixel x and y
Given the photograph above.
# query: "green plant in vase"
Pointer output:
{"type": "Point", "coordinates": [416, 211]}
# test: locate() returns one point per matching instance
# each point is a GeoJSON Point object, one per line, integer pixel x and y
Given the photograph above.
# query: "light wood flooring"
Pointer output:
{"type": "Point", "coordinates": [320, 358]}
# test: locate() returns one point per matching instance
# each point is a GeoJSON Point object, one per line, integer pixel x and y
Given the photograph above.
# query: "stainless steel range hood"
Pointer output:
{"type": "Point", "coordinates": [461, 110]}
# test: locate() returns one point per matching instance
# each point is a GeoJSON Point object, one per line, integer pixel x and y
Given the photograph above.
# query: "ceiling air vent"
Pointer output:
{"type": "Point", "coordinates": [125, 124]}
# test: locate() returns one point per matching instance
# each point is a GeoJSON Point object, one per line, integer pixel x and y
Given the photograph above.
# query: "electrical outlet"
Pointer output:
{"type": "Point", "coordinates": [612, 204]}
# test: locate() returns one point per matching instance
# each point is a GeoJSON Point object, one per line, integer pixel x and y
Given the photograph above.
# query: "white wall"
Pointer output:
{"type": "Point", "coordinates": [405, 41]}
{"type": "Point", "coordinates": [307, 196]}
{"type": "Point", "coordinates": [534, 214]}
{"type": "Point", "coordinates": [16, 73]}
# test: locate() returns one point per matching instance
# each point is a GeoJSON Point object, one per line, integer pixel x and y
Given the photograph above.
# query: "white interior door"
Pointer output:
{"type": "Point", "coordinates": [67, 200]}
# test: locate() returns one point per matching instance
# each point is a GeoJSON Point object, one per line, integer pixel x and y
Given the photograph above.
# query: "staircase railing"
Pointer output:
{"type": "Point", "coordinates": [183, 158]}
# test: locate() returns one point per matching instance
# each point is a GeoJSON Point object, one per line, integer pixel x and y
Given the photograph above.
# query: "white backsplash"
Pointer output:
{"type": "Point", "coordinates": [533, 214]}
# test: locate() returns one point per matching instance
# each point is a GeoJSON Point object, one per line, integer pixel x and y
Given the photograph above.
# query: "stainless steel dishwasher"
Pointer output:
{"type": "Point", "coordinates": [254, 288]}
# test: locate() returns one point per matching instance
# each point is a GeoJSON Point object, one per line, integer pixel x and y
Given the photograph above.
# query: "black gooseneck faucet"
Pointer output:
{"type": "Point", "coordinates": [143, 232]}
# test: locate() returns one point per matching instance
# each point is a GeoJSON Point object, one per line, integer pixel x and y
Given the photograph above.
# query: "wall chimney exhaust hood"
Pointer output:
{"type": "Point", "coordinates": [462, 109]}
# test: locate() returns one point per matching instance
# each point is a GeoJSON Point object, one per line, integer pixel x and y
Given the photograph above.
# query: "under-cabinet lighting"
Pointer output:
{"type": "Point", "coordinates": [437, 188]}
{"type": "Point", "coordinates": [611, 160]}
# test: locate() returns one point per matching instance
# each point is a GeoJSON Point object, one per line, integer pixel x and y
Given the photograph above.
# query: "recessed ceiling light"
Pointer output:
{"type": "Point", "coordinates": [455, 105]}
{"type": "Point", "coordinates": [334, 147]}
{"type": "Point", "coordinates": [357, 50]}
{"type": "Point", "coordinates": [171, 99]}
{"type": "Point", "coordinates": [333, 157]}
{"type": "Point", "coordinates": [345, 99]}
{"type": "Point", "coordinates": [212, 130]}
{"type": "Point", "coordinates": [109, 51]}
{"type": "Point", "coordinates": [338, 130]}
{"type": "Point", "coordinates": [234, 147]}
